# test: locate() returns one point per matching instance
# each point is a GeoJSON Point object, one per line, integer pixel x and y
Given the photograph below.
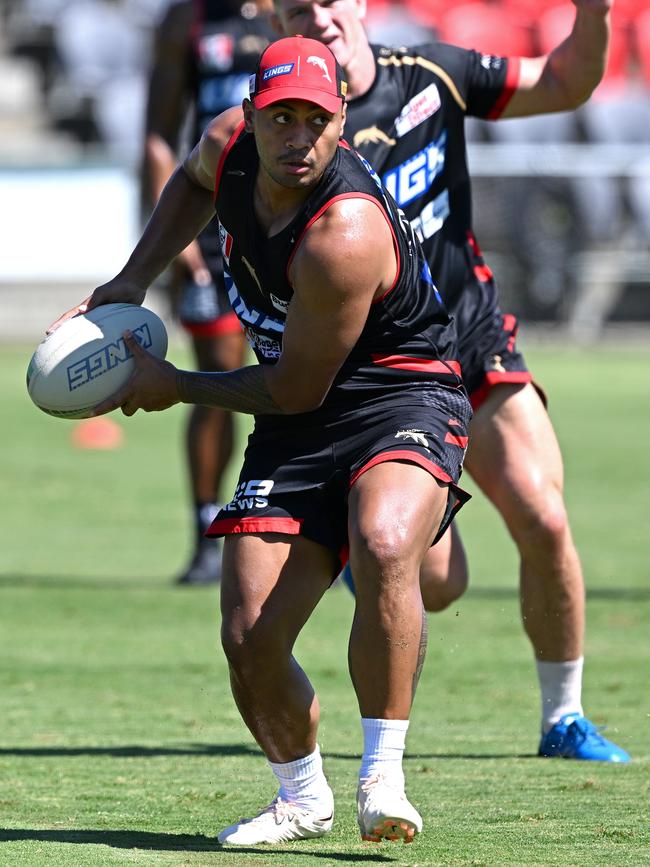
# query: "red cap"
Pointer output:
{"type": "Point", "coordinates": [298, 68]}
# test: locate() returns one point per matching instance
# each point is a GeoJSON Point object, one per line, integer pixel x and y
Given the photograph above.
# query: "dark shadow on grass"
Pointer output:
{"type": "Point", "coordinates": [157, 582]}
{"type": "Point", "coordinates": [624, 594]}
{"type": "Point", "coordinates": [66, 582]}
{"type": "Point", "coordinates": [135, 751]}
{"type": "Point", "coordinates": [222, 750]}
{"type": "Point", "coordinates": [417, 756]}
{"type": "Point", "coordinates": [169, 843]}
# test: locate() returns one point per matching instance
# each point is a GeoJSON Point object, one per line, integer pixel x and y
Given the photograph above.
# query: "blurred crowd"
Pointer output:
{"type": "Point", "coordinates": [76, 71]}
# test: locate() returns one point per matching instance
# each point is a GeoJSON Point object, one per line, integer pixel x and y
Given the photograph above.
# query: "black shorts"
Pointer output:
{"type": "Point", "coordinates": [488, 352]}
{"type": "Point", "coordinates": [298, 470]}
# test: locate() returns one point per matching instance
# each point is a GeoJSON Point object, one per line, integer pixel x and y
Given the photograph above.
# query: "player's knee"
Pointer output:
{"type": "Point", "coordinates": [249, 649]}
{"type": "Point", "coordinates": [440, 592]}
{"type": "Point", "coordinates": [545, 528]}
{"type": "Point", "coordinates": [382, 553]}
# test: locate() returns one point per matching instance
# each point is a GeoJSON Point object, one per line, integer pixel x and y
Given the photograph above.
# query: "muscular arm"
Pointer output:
{"type": "Point", "coordinates": [346, 259]}
{"type": "Point", "coordinates": [185, 207]}
{"type": "Point", "coordinates": [566, 77]}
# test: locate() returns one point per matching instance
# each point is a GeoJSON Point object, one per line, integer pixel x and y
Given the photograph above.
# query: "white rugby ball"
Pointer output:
{"type": "Point", "coordinates": [86, 359]}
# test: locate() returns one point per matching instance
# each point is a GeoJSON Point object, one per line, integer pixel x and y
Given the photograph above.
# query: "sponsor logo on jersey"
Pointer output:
{"type": "Point", "coordinates": [432, 217]}
{"type": "Point", "coordinates": [217, 50]}
{"type": "Point", "coordinates": [274, 71]}
{"type": "Point", "coordinates": [413, 178]}
{"type": "Point", "coordinates": [225, 239]}
{"type": "Point", "coordinates": [279, 303]}
{"type": "Point", "coordinates": [263, 345]}
{"type": "Point", "coordinates": [102, 360]}
{"type": "Point", "coordinates": [254, 322]}
{"type": "Point", "coordinates": [251, 494]}
{"type": "Point", "coordinates": [374, 135]}
{"type": "Point", "coordinates": [418, 109]}
{"type": "Point", "coordinates": [418, 436]}
{"type": "Point", "coordinates": [320, 63]}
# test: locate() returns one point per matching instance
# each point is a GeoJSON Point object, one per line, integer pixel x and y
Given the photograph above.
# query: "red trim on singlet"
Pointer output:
{"type": "Point", "coordinates": [227, 324]}
{"type": "Point", "coordinates": [229, 144]}
{"type": "Point", "coordinates": [320, 213]}
{"type": "Point", "coordinates": [510, 86]}
{"type": "Point", "coordinates": [423, 365]}
{"type": "Point", "coordinates": [228, 526]}
{"type": "Point", "coordinates": [495, 377]}
{"type": "Point", "coordinates": [404, 455]}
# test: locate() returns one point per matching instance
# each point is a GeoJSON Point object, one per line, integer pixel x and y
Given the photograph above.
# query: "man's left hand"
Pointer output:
{"type": "Point", "coordinates": [152, 387]}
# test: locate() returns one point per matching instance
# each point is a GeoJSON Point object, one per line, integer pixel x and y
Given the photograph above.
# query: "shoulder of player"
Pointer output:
{"type": "Point", "coordinates": [221, 129]}
{"type": "Point", "coordinates": [351, 229]}
{"type": "Point", "coordinates": [430, 56]}
{"type": "Point", "coordinates": [203, 162]}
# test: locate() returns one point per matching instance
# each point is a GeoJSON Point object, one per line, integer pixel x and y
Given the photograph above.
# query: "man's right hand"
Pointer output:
{"type": "Point", "coordinates": [116, 291]}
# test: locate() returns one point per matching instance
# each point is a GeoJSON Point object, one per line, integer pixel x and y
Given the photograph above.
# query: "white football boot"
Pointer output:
{"type": "Point", "coordinates": [279, 822]}
{"type": "Point", "coordinates": [384, 813]}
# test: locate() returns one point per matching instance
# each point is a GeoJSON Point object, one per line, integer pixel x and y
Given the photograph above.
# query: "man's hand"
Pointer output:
{"type": "Point", "coordinates": [152, 387]}
{"type": "Point", "coordinates": [116, 291]}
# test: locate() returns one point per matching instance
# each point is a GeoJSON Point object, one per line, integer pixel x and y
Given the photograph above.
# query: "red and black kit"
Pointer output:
{"type": "Point", "coordinates": [411, 127]}
{"type": "Point", "coordinates": [224, 50]}
{"type": "Point", "coordinates": [398, 395]}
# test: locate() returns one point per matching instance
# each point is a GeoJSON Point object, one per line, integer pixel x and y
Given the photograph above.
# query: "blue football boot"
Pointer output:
{"type": "Point", "coordinates": [575, 737]}
{"type": "Point", "coordinates": [348, 580]}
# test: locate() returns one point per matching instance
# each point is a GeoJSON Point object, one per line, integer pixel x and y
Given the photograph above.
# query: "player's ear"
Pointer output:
{"type": "Point", "coordinates": [344, 114]}
{"type": "Point", "coordinates": [247, 107]}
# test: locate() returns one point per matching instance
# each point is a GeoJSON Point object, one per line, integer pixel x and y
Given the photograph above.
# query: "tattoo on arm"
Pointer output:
{"type": "Point", "coordinates": [242, 390]}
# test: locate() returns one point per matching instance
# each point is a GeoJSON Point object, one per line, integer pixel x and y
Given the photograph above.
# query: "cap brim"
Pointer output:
{"type": "Point", "coordinates": [329, 101]}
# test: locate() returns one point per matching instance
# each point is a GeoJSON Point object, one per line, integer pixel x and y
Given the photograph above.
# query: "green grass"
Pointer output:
{"type": "Point", "coordinates": [120, 743]}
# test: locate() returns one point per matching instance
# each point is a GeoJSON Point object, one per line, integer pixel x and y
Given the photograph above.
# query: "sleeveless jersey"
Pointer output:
{"type": "Point", "coordinates": [410, 128]}
{"type": "Point", "coordinates": [408, 336]}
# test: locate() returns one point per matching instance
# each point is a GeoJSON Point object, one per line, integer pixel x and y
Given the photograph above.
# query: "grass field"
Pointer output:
{"type": "Point", "coordinates": [120, 743]}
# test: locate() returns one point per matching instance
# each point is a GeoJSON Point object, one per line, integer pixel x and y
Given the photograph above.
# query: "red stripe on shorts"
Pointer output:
{"type": "Point", "coordinates": [456, 440]}
{"type": "Point", "coordinates": [424, 365]}
{"type": "Point", "coordinates": [228, 526]}
{"type": "Point", "coordinates": [404, 455]}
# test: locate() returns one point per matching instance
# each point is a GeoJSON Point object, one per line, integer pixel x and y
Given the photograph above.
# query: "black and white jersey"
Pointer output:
{"type": "Point", "coordinates": [410, 128]}
{"type": "Point", "coordinates": [225, 49]}
{"type": "Point", "coordinates": [408, 336]}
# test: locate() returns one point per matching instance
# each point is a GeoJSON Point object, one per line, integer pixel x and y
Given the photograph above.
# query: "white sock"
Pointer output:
{"type": "Point", "coordinates": [561, 687]}
{"type": "Point", "coordinates": [383, 748]}
{"type": "Point", "coordinates": [303, 782]}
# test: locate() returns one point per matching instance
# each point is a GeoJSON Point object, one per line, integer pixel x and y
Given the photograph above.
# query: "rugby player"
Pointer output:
{"type": "Point", "coordinates": [406, 112]}
{"type": "Point", "coordinates": [204, 53]}
{"type": "Point", "coordinates": [360, 424]}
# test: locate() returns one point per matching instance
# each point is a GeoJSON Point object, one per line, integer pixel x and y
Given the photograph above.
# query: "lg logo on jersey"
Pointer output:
{"type": "Point", "coordinates": [413, 178]}
{"type": "Point", "coordinates": [250, 495]}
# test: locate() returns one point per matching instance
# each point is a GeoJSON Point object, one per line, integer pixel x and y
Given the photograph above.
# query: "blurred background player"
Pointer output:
{"type": "Point", "coordinates": [406, 114]}
{"type": "Point", "coordinates": [204, 53]}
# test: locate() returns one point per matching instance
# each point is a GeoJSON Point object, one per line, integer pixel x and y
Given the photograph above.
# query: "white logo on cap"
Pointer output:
{"type": "Point", "coordinates": [320, 63]}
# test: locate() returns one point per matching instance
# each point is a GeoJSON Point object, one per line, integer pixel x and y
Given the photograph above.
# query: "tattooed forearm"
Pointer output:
{"type": "Point", "coordinates": [242, 390]}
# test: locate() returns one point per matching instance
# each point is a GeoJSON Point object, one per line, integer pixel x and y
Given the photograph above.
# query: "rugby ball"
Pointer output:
{"type": "Point", "coordinates": [86, 359]}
